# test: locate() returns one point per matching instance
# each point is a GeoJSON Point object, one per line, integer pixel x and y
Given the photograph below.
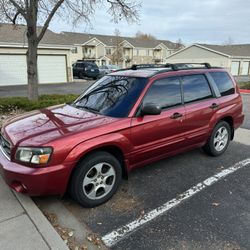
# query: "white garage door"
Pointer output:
{"type": "Point", "coordinates": [245, 68]}
{"type": "Point", "coordinates": [235, 68]}
{"type": "Point", "coordinates": [13, 70]}
{"type": "Point", "coordinates": [52, 69]}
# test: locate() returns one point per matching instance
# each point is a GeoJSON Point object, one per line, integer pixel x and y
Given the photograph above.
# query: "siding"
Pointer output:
{"type": "Point", "coordinates": [196, 54]}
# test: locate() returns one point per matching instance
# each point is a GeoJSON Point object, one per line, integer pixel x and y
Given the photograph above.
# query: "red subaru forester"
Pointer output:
{"type": "Point", "coordinates": [125, 120]}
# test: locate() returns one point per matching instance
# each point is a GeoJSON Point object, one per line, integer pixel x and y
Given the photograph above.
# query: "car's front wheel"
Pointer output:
{"type": "Point", "coordinates": [219, 139]}
{"type": "Point", "coordinates": [96, 179]}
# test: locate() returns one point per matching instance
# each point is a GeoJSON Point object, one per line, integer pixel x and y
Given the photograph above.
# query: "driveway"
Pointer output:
{"type": "Point", "coordinates": [59, 88]}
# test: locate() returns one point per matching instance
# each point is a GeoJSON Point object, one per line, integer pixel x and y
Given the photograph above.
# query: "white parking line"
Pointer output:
{"type": "Point", "coordinates": [117, 235]}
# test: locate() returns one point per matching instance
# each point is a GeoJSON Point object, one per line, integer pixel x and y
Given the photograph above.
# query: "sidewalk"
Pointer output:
{"type": "Point", "coordinates": [23, 226]}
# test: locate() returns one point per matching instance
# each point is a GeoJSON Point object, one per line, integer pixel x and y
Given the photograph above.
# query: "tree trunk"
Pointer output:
{"type": "Point", "coordinates": [32, 51]}
{"type": "Point", "coordinates": [32, 71]}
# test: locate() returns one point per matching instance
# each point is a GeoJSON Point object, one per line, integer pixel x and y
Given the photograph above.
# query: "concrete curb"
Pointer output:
{"type": "Point", "coordinates": [245, 91]}
{"type": "Point", "coordinates": [48, 233]}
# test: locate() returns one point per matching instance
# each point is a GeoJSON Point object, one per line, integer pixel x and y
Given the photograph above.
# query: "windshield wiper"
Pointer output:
{"type": "Point", "coordinates": [88, 108]}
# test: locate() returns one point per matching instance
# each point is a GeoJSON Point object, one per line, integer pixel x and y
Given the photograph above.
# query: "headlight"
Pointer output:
{"type": "Point", "coordinates": [33, 155]}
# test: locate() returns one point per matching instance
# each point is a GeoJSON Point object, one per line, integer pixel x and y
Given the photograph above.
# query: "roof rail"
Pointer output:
{"type": "Point", "coordinates": [207, 65]}
{"type": "Point", "coordinates": [173, 66]}
{"type": "Point", "coordinates": [144, 66]}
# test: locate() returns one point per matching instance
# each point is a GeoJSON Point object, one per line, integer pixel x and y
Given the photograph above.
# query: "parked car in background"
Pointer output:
{"type": "Point", "coordinates": [83, 69]}
{"type": "Point", "coordinates": [106, 69]}
{"type": "Point", "coordinates": [123, 121]}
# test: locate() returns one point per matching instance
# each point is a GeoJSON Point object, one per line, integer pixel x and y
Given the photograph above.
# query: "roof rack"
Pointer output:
{"type": "Point", "coordinates": [206, 65]}
{"type": "Point", "coordinates": [144, 66]}
{"type": "Point", "coordinates": [173, 66]}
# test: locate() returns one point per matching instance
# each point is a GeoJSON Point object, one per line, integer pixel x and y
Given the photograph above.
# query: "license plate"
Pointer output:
{"type": "Point", "coordinates": [92, 70]}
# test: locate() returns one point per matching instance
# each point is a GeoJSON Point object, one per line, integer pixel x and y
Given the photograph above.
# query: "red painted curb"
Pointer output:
{"type": "Point", "coordinates": [245, 91]}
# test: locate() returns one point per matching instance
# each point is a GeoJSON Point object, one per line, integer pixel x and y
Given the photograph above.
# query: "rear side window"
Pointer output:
{"type": "Point", "coordinates": [195, 88]}
{"type": "Point", "coordinates": [223, 82]}
{"type": "Point", "coordinates": [164, 92]}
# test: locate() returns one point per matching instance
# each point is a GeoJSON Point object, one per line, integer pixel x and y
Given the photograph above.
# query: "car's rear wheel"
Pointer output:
{"type": "Point", "coordinates": [219, 139]}
{"type": "Point", "coordinates": [96, 179]}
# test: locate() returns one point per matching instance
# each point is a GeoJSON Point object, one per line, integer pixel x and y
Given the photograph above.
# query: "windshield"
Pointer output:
{"type": "Point", "coordinates": [112, 95]}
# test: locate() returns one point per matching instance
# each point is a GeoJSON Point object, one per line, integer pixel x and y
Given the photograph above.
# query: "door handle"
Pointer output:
{"type": "Point", "coordinates": [214, 106]}
{"type": "Point", "coordinates": [176, 115]}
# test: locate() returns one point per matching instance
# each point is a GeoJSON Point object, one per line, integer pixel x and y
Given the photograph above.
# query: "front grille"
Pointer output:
{"type": "Point", "coordinates": [5, 146]}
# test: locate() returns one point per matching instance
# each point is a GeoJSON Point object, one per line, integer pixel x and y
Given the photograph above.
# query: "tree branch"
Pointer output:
{"type": "Point", "coordinates": [19, 8]}
{"type": "Point", "coordinates": [50, 16]}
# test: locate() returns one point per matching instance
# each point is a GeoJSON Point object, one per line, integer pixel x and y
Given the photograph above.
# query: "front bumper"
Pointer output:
{"type": "Point", "coordinates": [51, 180]}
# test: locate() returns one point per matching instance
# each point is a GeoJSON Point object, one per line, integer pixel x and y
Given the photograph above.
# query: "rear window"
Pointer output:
{"type": "Point", "coordinates": [195, 88]}
{"type": "Point", "coordinates": [223, 82]}
{"type": "Point", "coordinates": [92, 65]}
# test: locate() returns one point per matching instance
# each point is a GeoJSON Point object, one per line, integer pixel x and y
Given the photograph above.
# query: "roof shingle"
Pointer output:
{"type": "Point", "coordinates": [10, 33]}
{"type": "Point", "coordinates": [231, 50]}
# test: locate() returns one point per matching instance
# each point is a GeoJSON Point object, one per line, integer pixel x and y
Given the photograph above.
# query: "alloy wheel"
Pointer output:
{"type": "Point", "coordinates": [99, 181]}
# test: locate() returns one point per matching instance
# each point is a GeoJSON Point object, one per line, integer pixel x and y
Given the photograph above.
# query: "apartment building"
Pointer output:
{"type": "Point", "coordinates": [123, 51]}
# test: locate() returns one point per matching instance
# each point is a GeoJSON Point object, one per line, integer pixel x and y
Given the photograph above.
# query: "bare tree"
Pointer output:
{"type": "Point", "coordinates": [32, 12]}
{"type": "Point", "coordinates": [144, 36]}
{"type": "Point", "coordinates": [117, 54]}
{"type": "Point", "coordinates": [229, 41]}
{"type": "Point", "coordinates": [179, 44]}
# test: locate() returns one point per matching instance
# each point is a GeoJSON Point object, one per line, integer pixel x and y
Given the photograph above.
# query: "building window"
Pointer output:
{"type": "Point", "coordinates": [108, 51]}
{"type": "Point", "coordinates": [74, 50]}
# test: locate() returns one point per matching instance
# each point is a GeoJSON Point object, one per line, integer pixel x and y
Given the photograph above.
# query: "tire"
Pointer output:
{"type": "Point", "coordinates": [219, 139]}
{"type": "Point", "coordinates": [96, 171]}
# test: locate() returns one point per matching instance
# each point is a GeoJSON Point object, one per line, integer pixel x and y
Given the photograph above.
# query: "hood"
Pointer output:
{"type": "Point", "coordinates": [45, 125]}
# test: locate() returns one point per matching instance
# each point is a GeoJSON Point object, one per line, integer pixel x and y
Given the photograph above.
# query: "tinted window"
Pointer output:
{"type": "Point", "coordinates": [112, 95]}
{"type": "Point", "coordinates": [195, 88]}
{"type": "Point", "coordinates": [79, 65]}
{"type": "Point", "coordinates": [223, 82]}
{"type": "Point", "coordinates": [164, 92]}
{"type": "Point", "coordinates": [92, 65]}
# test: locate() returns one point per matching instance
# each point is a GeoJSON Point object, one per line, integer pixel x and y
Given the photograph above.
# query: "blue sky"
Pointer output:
{"type": "Point", "coordinates": [204, 21]}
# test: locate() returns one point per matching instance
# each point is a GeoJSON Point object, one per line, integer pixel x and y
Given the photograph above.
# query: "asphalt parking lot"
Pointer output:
{"type": "Point", "coordinates": [76, 87]}
{"type": "Point", "coordinates": [217, 217]}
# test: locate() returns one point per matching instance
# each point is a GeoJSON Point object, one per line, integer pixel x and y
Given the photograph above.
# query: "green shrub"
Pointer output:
{"type": "Point", "coordinates": [11, 103]}
{"type": "Point", "coordinates": [244, 85]}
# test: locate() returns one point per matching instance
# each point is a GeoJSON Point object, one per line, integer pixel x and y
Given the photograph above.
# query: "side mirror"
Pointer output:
{"type": "Point", "coordinates": [150, 109]}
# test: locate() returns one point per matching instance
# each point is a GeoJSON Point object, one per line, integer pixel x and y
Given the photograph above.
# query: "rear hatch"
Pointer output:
{"type": "Point", "coordinates": [92, 70]}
